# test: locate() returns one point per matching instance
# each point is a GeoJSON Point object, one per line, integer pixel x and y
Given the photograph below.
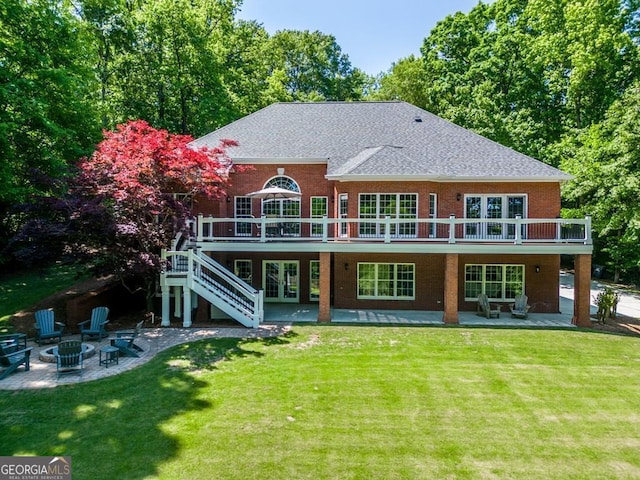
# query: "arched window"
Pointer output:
{"type": "Point", "coordinates": [283, 182]}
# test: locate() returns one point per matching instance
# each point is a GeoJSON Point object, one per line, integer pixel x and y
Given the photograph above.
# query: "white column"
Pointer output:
{"type": "Point", "coordinates": [166, 306]}
{"type": "Point", "coordinates": [186, 318]}
{"type": "Point", "coordinates": [177, 296]}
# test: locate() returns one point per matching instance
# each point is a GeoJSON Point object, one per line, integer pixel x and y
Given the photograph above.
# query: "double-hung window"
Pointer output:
{"type": "Point", "coordinates": [433, 213]}
{"type": "Point", "coordinates": [400, 208]}
{"type": "Point", "coordinates": [243, 269]}
{"type": "Point", "coordinates": [243, 210]}
{"type": "Point", "coordinates": [395, 281]}
{"type": "Point", "coordinates": [319, 208]}
{"type": "Point", "coordinates": [498, 282]}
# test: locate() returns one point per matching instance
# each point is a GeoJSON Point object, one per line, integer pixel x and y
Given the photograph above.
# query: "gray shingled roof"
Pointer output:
{"type": "Point", "coordinates": [361, 140]}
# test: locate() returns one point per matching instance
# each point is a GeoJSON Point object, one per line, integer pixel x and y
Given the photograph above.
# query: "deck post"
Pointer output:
{"type": "Point", "coordinates": [187, 306]}
{"type": "Point", "coordinates": [324, 306]}
{"type": "Point", "coordinates": [166, 306]}
{"type": "Point", "coordinates": [451, 289]}
{"type": "Point", "coordinates": [582, 291]}
{"type": "Point", "coordinates": [177, 297]}
{"type": "Point", "coordinates": [452, 228]}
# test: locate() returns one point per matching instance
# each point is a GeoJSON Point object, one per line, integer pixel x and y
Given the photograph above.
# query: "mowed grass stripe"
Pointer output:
{"type": "Point", "coordinates": [360, 402]}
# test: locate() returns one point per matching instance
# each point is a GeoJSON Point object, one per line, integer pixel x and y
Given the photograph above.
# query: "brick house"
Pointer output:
{"type": "Point", "coordinates": [392, 208]}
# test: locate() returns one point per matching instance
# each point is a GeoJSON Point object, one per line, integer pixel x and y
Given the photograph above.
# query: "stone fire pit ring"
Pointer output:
{"type": "Point", "coordinates": [48, 355]}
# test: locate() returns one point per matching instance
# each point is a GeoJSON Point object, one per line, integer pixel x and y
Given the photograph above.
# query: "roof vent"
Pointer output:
{"type": "Point", "coordinates": [417, 120]}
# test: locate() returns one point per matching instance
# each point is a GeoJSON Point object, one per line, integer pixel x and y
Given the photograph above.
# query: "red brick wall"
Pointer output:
{"type": "Point", "coordinates": [429, 278]}
{"type": "Point", "coordinates": [310, 178]}
{"type": "Point", "coordinates": [543, 198]}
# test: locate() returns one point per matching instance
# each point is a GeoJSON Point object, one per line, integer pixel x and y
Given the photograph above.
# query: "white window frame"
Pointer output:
{"type": "Point", "coordinates": [433, 213]}
{"type": "Point", "coordinates": [401, 224]}
{"type": "Point", "coordinates": [316, 227]}
{"type": "Point", "coordinates": [243, 229]}
{"type": "Point", "coordinates": [343, 213]}
{"type": "Point", "coordinates": [503, 282]}
{"type": "Point", "coordinates": [395, 281]}
{"type": "Point", "coordinates": [495, 229]}
{"type": "Point", "coordinates": [248, 266]}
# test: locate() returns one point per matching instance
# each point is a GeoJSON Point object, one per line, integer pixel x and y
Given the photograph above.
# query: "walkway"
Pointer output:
{"type": "Point", "coordinates": [151, 340]}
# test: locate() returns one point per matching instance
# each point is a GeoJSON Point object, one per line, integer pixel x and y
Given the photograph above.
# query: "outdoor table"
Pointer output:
{"type": "Point", "coordinates": [108, 356]}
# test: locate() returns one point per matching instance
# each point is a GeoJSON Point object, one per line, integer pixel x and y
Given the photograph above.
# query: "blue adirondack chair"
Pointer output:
{"type": "Point", "coordinates": [69, 357]}
{"type": "Point", "coordinates": [124, 341]}
{"type": "Point", "coordinates": [11, 359]}
{"type": "Point", "coordinates": [46, 326]}
{"type": "Point", "coordinates": [95, 326]}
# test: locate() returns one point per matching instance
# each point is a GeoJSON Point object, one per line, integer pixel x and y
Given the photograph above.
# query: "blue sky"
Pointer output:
{"type": "Point", "coordinates": [373, 33]}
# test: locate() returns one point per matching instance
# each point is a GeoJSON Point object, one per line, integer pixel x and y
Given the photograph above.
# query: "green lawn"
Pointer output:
{"type": "Point", "coordinates": [328, 402]}
{"type": "Point", "coordinates": [22, 289]}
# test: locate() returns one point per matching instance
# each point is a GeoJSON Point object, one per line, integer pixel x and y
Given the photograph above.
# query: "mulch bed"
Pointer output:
{"type": "Point", "coordinates": [621, 325]}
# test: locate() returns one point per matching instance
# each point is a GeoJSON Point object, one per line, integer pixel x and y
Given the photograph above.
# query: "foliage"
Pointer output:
{"type": "Point", "coordinates": [310, 66]}
{"type": "Point", "coordinates": [46, 110]}
{"type": "Point", "coordinates": [523, 73]}
{"type": "Point", "coordinates": [605, 160]}
{"type": "Point", "coordinates": [127, 202]}
{"type": "Point", "coordinates": [607, 303]}
{"type": "Point", "coordinates": [350, 402]}
{"type": "Point", "coordinates": [557, 80]}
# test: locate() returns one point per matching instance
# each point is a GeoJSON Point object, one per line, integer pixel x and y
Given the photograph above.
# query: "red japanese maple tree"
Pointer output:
{"type": "Point", "coordinates": [134, 175]}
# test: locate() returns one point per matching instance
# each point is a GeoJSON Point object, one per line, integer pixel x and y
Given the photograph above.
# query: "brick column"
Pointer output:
{"type": "Point", "coordinates": [451, 289]}
{"type": "Point", "coordinates": [324, 307]}
{"type": "Point", "coordinates": [582, 291]}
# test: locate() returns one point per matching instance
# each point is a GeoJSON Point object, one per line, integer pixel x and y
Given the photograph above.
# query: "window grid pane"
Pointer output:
{"type": "Point", "coordinates": [243, 210]}
{"type": "Point", "coordinates": [243, 269]}
{"type": "Point", "coordinates": [386, 280]}
{"type": "Point", "coordinates": [392, 205]}
{"type": "Point", "coordinates": [498, 282]}
{"type": "Point", "coordinates": [319, 208]}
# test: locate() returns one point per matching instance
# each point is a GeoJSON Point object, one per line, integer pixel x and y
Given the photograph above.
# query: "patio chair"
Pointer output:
{"type": "Point", "coordinates": [13, 341]}
{"type": "Point", "coordinates": [46, 326]}
{"type": "Point", "coordinates": [486, 309]}
{"type": "Point", "coordinates": [95, 326]}
{"type": "Point", "coordinates": [520, 307]}
{"type": "Point", "coordinates": [69, 358]}
{"type": "Point", "coordinates": [11, 359]}
{"type": "Point", "coordinates": [124, 341]}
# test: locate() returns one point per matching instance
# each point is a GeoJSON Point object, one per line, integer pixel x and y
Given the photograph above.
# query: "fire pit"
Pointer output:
{"type": "Point", "coordinates": [48, 355]}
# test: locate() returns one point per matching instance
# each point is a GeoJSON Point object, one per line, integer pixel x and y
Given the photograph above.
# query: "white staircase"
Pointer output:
{"type": "Point", "coordinates": [196, 272]}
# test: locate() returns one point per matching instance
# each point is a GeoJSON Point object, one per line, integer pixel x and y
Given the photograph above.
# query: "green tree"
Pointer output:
{"type": "Point", "coordinates": [165, 61]}
{"type": "Point", "coordinates": [525, 73]}
{"type": "Point", "coordinates": [406, 81]}
{"type": "Point", "coordinates": [605, 160]}
{"type": "Point", "coordinates": [310, 66]}
{"type": "Point", "coordinates": [47, 114]}
{"type": "Point", "coordinates": [109, 36]}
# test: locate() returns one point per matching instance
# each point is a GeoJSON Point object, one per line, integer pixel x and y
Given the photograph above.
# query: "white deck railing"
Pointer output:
{"type": "Point", "coordinates": [388, 230]}
{"type": "Point", "coordinates": [216, 284]}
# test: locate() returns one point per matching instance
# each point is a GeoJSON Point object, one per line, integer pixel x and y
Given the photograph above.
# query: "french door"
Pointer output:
{"type": "Point", "coordinates": [281, 281]}
{"type": "Point", "coordinates": [493, 207]}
